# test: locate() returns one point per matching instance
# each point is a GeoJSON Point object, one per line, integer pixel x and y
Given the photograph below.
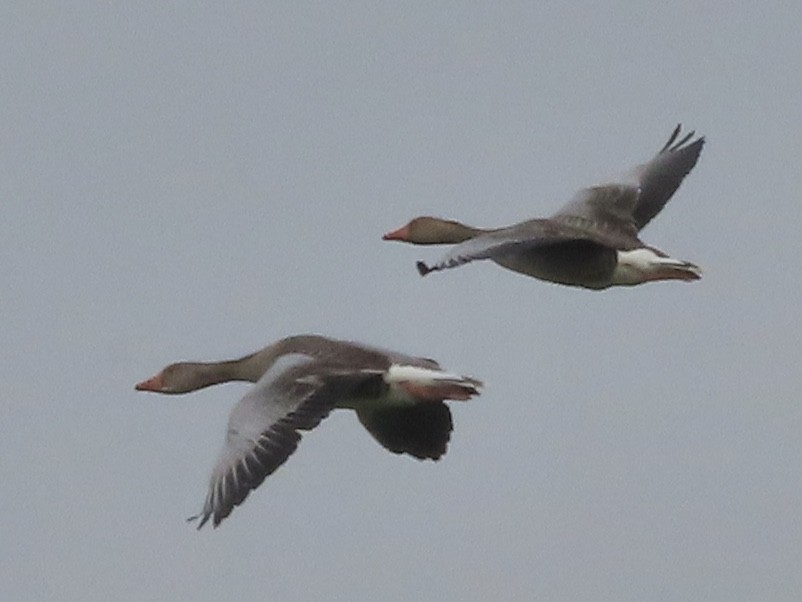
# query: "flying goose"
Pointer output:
{"type": "Point", "coordinates": [299, 380]}
{"type": "Point", "coordinates": [591, 242]}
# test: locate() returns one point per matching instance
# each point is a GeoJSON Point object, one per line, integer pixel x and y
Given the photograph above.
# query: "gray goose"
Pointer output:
{"type": "Point", "coordinates": [591, 242]}
{"type": "Point", "coordinates": [299, 380]}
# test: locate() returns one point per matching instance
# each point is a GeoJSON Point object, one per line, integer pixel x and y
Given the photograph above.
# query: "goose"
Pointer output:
{"type": "Point", "coordinates": [298, 381]}
{"type": "Point", "coordinates": [591, 242]}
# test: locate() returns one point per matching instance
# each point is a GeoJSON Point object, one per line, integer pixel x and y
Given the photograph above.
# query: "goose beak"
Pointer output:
{"type": "Point", "coordinates": [401, 234]}
{"type": "Point", "coordinates": [152, 384]}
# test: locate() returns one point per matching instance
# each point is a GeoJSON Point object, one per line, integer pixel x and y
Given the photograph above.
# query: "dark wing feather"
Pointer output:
{"type": "Point", "coordinates": [263, 431]}
{"type": "Point", "coordinates": [660, 178]}
{"type": "Point", "coordinates": [421, 430]}
{"type": "Point", "coordinates": [261, 436]}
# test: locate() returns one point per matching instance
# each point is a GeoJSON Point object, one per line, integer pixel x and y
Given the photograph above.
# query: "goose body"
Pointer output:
{"type": "Point", "coordinates": [591, 242]}
{"type": "Point", "coordinates": [298, 381]}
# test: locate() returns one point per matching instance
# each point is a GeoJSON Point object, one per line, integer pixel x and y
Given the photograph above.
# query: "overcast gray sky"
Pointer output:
{"type": "Point", "coordinates": [193, 182]}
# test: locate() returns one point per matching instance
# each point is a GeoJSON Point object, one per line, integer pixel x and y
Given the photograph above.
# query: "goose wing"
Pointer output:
{"type": "Point", "coordinates": [421, 430]}
{"type": "Point", "coordinates": [528, 236]}
{"type": "Point", "coordinates": [263, 428]}
{"type": "Point", "coordinates": [659, 178]}
{"type": "Point", "coordinates": [629, 204]}
{"type": "Point", "coordinates": [603, 212]}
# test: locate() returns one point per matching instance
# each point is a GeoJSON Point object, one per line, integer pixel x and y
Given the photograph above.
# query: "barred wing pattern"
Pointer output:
{"type": "Point", "coordinates": [263, 429]}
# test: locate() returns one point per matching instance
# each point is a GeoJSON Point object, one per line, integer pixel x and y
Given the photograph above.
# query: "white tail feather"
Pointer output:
{"type": "Point", "coordinates": [400, 373]}
{"type": "Point", "coordinates": [644, 264]}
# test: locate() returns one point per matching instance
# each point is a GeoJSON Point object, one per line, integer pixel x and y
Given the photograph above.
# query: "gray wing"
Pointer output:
{"type": "Point", "coordinates": [524, 237]}
{"type": "Point", "coordinates": [421, 430]}
{"type": "Point", "coordinates": [659, 178]}
{"type": "Point", "coordinates": [263, 431]}
{"type": "Point", "coordinates": [606, 211]}
{"type": "Point", "coordinates": [626, 206]}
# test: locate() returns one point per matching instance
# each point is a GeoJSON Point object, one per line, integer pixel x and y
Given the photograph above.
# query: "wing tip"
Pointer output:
{"type": "Point", "coordinates": [202, 518]}
{"type": "Point", "coordinates": [423, 269]}
{"type": "Point", "coordinates": [672, 145]}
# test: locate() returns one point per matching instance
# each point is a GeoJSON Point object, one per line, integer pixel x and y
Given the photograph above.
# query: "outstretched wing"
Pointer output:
{"type": "Point", "coordinates": [659, 178]}
{"type": "Point", "coordinates": [627, 205]}
{"type": "Point", "coordinates": [527, 236]}
{"type": "Point", "coordinates": [263, 430]}
{"type": "Point", "coordinates": [421, 430]}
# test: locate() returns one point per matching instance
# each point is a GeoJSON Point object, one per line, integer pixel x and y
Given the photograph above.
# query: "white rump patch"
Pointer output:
{"type": "Point", "coordinates": [399, 373]}
{"type": "Point", "coordinates": [641, 258]}
{"type": "Point", "coordinates": [643, 264]}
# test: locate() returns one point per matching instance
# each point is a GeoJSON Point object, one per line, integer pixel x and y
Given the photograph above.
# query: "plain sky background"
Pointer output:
{"type": "Point", "coordinates": [193, 181]}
